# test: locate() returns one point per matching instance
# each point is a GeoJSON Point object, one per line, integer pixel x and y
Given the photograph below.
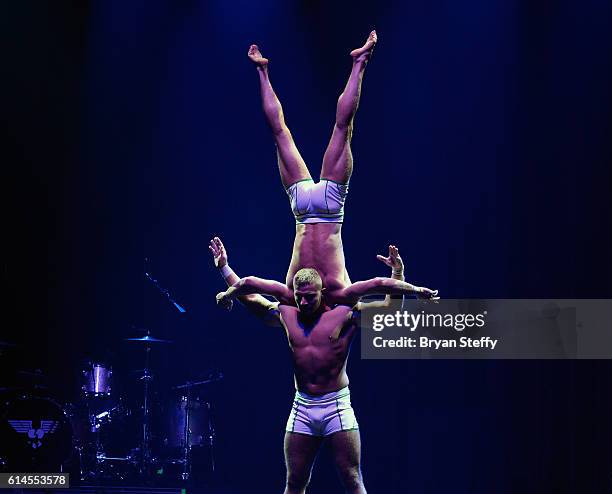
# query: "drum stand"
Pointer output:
{"type": "Point", "coordinates": [187, 438]}
{"type": "Point", "coordinates": [94, 469]}
{"type": "Point", "coordinates": [146, 459]}
{"type": "Point", "coordinates": [99, 414]}
{"type": "Point", "coordinates": [146, 378]}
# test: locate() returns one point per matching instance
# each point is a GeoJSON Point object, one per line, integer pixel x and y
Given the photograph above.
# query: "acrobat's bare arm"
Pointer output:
{"type": "Point", "coordinates": [386, 286]}
{"type": "Point", "coordinates": [254, 285]}
{"type": "Point", "coordinates": [254, 302]}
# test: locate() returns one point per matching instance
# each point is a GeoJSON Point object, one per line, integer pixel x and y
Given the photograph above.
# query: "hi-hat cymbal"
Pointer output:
{"type": "Point", "coordinates": [148, 339]}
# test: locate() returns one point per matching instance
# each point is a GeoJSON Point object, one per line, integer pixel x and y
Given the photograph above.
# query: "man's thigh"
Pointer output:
{"type": "Point", "coordinates": [346, 451]}
{"type": "Point", "coordinates": [300, 453]}
{"type": "Point", "coordinates": [338, 157]}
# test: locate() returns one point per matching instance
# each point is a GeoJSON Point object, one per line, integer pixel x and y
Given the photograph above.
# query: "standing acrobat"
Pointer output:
{"type": "Point", "coordinates": [320, 342]}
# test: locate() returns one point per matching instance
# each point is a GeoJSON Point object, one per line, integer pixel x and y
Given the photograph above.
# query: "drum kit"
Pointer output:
{"type": "Point", "coordinates": [100, 437]}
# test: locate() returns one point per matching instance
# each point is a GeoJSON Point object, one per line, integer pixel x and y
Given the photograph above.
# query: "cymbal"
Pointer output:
{"type": "Point", "coordinates": [148, 339]}
{"type": "Point", "coordinates": [6, 344]}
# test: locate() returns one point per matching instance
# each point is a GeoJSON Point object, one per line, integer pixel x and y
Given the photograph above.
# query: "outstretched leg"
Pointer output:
{"type": "Point", "coordinates": [290, 163]}
{"type": "Point", "coordinates": [338, 159]}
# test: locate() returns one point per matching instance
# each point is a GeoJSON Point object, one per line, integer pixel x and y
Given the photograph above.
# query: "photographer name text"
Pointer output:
{"type": "Point", "coordinates": [415, 321]}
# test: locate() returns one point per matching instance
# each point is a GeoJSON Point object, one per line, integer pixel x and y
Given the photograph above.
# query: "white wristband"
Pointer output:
{"type": "Point", "coordinates": [226, 271]}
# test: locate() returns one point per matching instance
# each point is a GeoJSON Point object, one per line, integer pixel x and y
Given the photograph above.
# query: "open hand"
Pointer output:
{"type": "Point", "coordinates": [394, 261]}
{"type": "Point", "coordinates": [426, 293]}
{"type": "Point", "coordinates": [218, 251]}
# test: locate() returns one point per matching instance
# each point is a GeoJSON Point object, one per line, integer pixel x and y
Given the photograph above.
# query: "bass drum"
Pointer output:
{"type": "Point", "coordinates": [35, 435]}
{"type": "Point", "coordinates": [176, 419]}
{"type": "Point", "coordinates": [200, 444]}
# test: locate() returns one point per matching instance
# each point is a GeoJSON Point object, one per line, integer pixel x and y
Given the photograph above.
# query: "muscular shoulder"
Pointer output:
{"type": "Point", "coordinates": [339, 316]}
{"type": "Point", "coordinates": [341, 310]}
{"type": "Point", "coordinates": [287, 309]}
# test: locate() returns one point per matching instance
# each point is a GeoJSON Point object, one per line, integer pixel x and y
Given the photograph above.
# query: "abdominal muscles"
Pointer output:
{"type": "Point", "coordinates": [318, 370]}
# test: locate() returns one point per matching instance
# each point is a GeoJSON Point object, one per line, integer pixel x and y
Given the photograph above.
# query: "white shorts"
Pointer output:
{"type": "Point", "coordinates": [322, 415]}
{"type": "Point", "coordinates": [321, 202]}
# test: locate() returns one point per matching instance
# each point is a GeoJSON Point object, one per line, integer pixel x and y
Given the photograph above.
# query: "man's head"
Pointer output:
{"type": "Point", "coordinates": [307, 289]}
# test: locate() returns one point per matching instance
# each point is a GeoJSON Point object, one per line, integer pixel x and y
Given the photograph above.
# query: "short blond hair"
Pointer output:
{"type": "Point", "coordinates": [307, 275]}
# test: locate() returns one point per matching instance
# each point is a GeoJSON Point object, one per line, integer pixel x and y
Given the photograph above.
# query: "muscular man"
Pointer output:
{"type": "Point", "coordinates": [318, 207]}
{"type": "Point", "coordinates": [319, 339]}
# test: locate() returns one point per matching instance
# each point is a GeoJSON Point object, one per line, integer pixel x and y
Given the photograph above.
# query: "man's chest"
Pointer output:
{"type": "Point", "coordinates": [327, 330]}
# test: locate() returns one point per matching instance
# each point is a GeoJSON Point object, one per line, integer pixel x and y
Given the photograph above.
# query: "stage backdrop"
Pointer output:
{"type": "Point", "coordinates": [134, 131]}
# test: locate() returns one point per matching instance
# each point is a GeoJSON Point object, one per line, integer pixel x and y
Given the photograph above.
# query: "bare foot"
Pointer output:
{"type": "Point", "coordinates": [365, 52]}
{"type": "Point", "coordinates": [256, 58]}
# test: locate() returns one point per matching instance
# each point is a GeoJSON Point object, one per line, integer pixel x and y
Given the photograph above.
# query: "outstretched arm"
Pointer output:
{"type": "Point", "coordinates": [255, 303]}
{"type": "Point", "coordinates": [387, 286]}
{"type": "Point", "coordinates": [251, 285]}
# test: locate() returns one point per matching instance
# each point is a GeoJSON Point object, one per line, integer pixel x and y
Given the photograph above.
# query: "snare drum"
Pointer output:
{"type": "Point", "coordinates": [97, 380]}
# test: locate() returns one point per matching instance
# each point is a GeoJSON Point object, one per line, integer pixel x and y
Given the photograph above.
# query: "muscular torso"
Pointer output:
{"type": "Point", "coordinates": [319, 349]}
{"type": "Point", "coordinates": [319, 246]}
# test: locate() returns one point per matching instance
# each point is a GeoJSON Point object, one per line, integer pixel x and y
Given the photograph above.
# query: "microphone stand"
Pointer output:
{"type": "Point", "coordinates": [164, 291]}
